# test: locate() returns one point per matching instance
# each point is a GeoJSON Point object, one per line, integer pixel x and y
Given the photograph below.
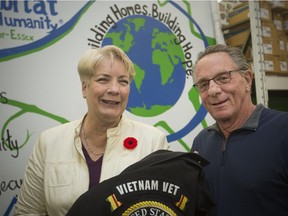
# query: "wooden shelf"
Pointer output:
{"type": "Point", "coordinates": [279, 9]}
{"type": "Point", "coordinates": [225, 27]}
{"type": "Point", "coordinates": [276, 81]}
{"type": "Point", "coordinates": [277, 74]}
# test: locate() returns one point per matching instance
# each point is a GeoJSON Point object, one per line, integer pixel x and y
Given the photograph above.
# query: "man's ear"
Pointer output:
{"type": "Point", "coordinates": [249, 78]}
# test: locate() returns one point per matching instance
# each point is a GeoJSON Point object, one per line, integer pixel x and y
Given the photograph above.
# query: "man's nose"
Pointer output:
{"type": "Point", "coordinates": [213, 87]}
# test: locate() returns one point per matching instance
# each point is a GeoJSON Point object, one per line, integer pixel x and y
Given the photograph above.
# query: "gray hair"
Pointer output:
{"type": "Point", "coordinates": [234, 52]}
{"type": "Point", "coordinates": [92, 58]}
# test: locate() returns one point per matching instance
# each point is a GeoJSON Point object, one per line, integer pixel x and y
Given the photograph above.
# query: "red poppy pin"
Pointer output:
{"type": "Point", "coordinates": [130, 143]}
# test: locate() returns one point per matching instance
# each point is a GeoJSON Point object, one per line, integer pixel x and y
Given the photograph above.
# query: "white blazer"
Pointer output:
{"type": "Point", "coordinates": [57, 173]}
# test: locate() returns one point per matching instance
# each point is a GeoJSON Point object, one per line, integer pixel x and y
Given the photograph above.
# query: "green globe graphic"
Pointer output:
{"type": "Point", "coordinates": [160, 75]}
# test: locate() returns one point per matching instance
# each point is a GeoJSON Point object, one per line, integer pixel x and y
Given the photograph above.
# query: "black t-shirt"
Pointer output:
{"type": "Point", "coordinates": [165, 183]}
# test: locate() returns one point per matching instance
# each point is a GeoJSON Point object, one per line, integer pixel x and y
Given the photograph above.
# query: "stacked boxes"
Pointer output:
{"type": "Point", "coordinates": [274, 25]}
{"type": "Point", "coordinates": [238, 30]}
{"type": "Point", "coordinates": [279, 14]}
{"type": "Point", "coordinates": [237, 35]}
{"type": "Point", "coordinates": [225, 7]}
{"type": "Point", "coordinates": [239, 14]}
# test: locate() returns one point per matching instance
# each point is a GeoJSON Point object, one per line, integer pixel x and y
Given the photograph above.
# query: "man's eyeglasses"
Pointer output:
{"type": "Point", "coordinates": [220, 79]}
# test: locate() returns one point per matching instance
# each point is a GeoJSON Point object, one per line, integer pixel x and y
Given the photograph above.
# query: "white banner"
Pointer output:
{"type": "Point", "coordinates": [41, 43]}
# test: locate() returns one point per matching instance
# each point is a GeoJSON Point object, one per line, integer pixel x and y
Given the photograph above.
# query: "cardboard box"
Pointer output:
{"type": "Point", "coordinates": [271, 46]}
{"type": "Point", "coordinates": [271, 63]}
{"type": "Point", "coordinates": [236, 28]}
{"type": "Point", "coordinates": [278, 20]}
{"type": "Point", "coordinates": [282, 44]}
{"type": "Point", "coordinates": [239, 14]}
{"type": "Point", "coordinates": [265, 10]}
{"type": "Point", "coordinates": [268, 63]}
{"type": "Point", "coordinates": [225, 8]}
{"type": "Point", "coordinates": [276, 62]}
{"type": "Point", "coordinates": [237, 38]}
{"type": "Point", "coordinates": [279, 5]}
{"type": "Point", "coordinates": [249, 53]}
{"type": "Point", "coordinates": [283, 64]}
{"type": "Point", "coordinates": [268, 30]}
{"type": "Point", "coordinates": [285, 21]}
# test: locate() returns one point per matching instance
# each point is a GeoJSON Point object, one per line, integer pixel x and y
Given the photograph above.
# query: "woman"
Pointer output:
{"type": "Point", "coordinates": [71, 158]}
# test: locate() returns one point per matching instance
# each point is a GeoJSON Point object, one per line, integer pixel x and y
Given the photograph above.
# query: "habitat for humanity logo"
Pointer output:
{"type": "Point", "coordinates": [28, 26]}
{"type": "Point", "coordinates": [154, 38]}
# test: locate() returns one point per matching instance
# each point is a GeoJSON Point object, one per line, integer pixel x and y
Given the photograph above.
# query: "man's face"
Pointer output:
{"type": "Point", "coordinates": [224, 102]}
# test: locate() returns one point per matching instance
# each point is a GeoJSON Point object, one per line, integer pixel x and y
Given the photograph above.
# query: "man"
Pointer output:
{"type": "Point", "coordinates": [247, 147]}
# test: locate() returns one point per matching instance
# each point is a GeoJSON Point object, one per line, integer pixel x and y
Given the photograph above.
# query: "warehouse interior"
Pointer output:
{"type": "Point", "coordinates": [260, 29]}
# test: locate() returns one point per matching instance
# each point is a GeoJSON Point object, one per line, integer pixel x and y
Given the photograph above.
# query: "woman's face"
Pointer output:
{"type": "Point", "coordinates": [108, 91]}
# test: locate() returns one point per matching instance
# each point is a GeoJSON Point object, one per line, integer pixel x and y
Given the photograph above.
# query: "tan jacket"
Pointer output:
{"type": "Point", "coordinates": [57, 173]}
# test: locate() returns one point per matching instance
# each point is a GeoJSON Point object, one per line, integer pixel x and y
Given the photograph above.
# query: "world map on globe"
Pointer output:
{"type": "Point", "coordinates": [160, 76]}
